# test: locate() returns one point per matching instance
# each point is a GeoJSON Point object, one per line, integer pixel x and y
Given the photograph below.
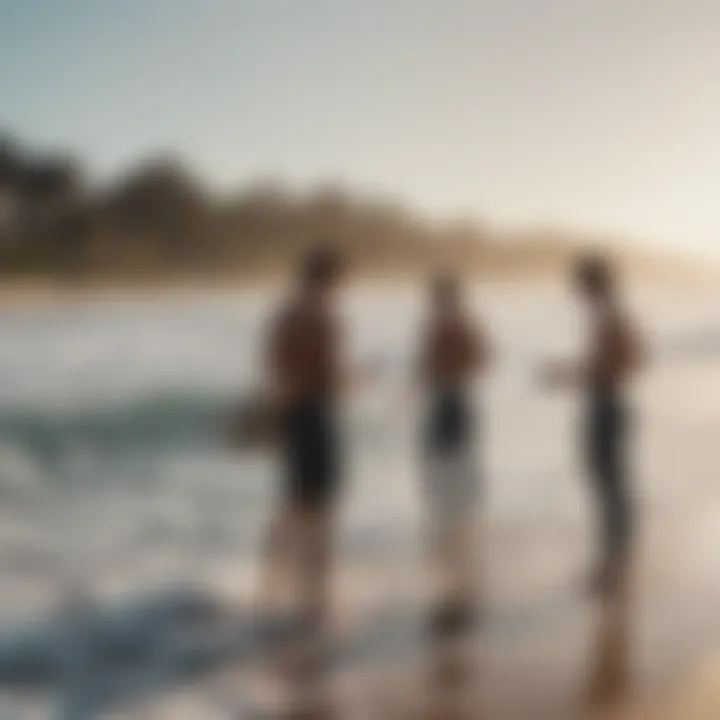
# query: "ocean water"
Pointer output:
{"type": "Point", "coordinates": [115, 480]}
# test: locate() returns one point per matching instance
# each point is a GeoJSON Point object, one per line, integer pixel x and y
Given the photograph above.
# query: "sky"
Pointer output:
{"type": "Point", "coordinates": [602, 115]}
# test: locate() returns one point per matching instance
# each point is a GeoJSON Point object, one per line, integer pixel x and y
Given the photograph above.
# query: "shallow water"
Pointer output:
{"type": "Point", "coordinates": [113, 476]}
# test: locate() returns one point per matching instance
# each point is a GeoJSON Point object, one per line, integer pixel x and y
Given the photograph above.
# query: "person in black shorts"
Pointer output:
{"type": "Point", "coordinates": [615, 355]}
{"type": "Point", "coordinates": [304, 368]}
{"type": "Point", "coordinates": [454, 353]}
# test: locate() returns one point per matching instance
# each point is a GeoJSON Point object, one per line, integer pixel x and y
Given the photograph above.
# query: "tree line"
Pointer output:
{"type": "Point", "coordinates": [159, 217]}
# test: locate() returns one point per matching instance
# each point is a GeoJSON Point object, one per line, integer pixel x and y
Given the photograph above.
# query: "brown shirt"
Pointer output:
{"type": "Point", "coordinates": [452, 351]}
{"type": "Point", "coordinates": [303, 353]}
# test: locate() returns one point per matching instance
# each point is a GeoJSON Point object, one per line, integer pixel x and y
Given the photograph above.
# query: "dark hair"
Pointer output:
{"type": "Point", "coordinates": [321, 265]}
{"type": "Point", "coordinates": [595, 273]}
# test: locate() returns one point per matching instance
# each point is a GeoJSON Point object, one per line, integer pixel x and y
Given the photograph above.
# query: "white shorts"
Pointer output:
{"type": "Point", "coordinates": [452, 483]}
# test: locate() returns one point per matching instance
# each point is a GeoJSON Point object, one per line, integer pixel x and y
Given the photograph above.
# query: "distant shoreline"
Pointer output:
{"type": "Point", "coordinates": [44, 291]}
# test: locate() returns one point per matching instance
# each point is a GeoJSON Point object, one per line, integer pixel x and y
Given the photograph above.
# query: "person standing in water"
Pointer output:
{"type": "Point", "coordinates": [615, 355]}
{"type": "Point", "coordinates": [454, 351]}
{"type": "Point", "coordinates": [303, 361]}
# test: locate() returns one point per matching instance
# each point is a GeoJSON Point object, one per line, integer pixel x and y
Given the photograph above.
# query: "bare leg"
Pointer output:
{"type": "Point", "coordinates": [318, 526]}
{"type": "Point", "coordinates": [281, 543]}
{"type": "Point", "coordinates": [435, 558]}
{"type": "Point", "coordinates": [310, 553]}
{"type": "Point", "coordinates": [453, 558]}
{"type": "Point", "coordinates": [464, 583]}
{"type": "Point", "coordinates": [610, 676]}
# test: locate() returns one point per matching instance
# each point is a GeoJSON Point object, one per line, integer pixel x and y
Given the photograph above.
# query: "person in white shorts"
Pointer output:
{"type": "Point", "coordinates": [454, 352]}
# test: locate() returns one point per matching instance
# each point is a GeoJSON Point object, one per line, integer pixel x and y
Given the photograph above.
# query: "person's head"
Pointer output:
{"type": "Point", "coordinates": [445, 292]}
{"type": "Point", "coordinates": [594, 278]}
{"type": "Point", "coordinates": [321, 270]}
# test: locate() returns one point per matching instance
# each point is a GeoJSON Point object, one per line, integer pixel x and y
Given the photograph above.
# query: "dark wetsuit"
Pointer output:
{"type": "Point", "coordinates": [606, 436]}
{"type": "Point", "coordinates": [304, 354]}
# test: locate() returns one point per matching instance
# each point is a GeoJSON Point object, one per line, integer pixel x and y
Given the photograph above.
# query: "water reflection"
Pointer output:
{"type": "Point", "coordinates": [609, 680]}
{"type": "Point", "coordinates": [451, 677]}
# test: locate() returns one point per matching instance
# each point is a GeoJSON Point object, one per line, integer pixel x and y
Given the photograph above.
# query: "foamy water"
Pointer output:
{"type": "Point", "coordinates": [112, 471]}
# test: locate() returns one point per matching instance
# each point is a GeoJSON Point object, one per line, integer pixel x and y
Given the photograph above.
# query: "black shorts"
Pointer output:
{"type": "Point", "coordinates": [311, 453]}
{"type": "Point", "coordinates": [606, 434]}
{"type": "Point", "coordinates": [450, 422]}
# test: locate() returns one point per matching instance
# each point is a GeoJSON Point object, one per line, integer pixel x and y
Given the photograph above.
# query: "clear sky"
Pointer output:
{"type": "Point", "coordinates": [598, 114]}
